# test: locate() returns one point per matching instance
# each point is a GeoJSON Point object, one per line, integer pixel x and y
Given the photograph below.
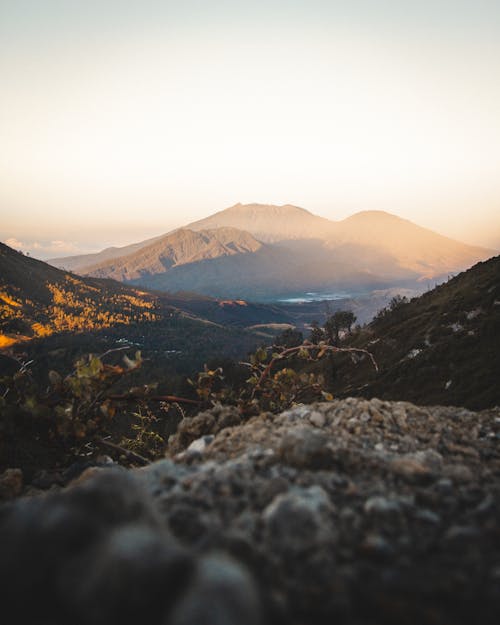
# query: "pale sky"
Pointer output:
{"type": "Point", "coordinates": [120, 120]}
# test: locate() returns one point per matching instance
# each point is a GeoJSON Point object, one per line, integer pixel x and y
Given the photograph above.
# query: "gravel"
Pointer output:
{"type": "Point", "coordinates": [353, 512]}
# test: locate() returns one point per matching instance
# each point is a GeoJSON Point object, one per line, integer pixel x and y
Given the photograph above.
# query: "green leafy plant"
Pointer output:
{"type": "Point", "coordinates": [72, 416]}
{"type": "Point", "coordinates": [273, 385]}
{"type": "Point", "coordinates": [82, 413]}
{"type": "Point", "coordinates": [146, 442]}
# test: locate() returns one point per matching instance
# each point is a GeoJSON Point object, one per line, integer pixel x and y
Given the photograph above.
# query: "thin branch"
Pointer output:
{"type": "Point", "coordinates": [180, 409]}
{"type": "Point", "coordinates": [295, 350]}
{"type": "Point", "coordinates": [100, 357]}
{"type": "Point", "coordinates": [24, 365]}
{"type": "Point", "coordinates": [170, 398]}
{"type": "Point", "coordinates": [130, 454]}
{"type": "Point", "coordinates": [115, 349]}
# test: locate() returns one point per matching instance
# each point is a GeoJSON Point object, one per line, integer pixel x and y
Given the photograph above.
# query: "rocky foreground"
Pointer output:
{"type": "Point", "coordinates": [352, 512]}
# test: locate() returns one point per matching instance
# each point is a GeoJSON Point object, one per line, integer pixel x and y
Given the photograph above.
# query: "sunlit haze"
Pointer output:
{"type": "Point", "coordinates": [122, 120]}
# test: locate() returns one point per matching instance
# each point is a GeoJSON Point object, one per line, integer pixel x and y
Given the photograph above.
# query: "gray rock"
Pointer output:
{"type": "Point", "coordinates": [11, 483]}
{"type": "Point", "coordinates": [135, 570]}
{"type": "Point", "coordinates": [304, 447]}
{"type": "Point", "coordinates": [221, 592]}
{"type": "Point", "coordinates": [376, 546]}
{"type": "Point", "coordinates": [459, 473]}
{"type": "Point", "coordinates": [317, 418]}
{"type": "Point", "coordinates": [428, 516]}
{"type": "Point", "coordinates": [382, 512]}
{"type": "Point", "coordinates": [461, 534]}
{"type": "Point", "coordinates": [200, 444]}
{"type": "Point", "coordinates": [382, 505]}
{"type": "Point", "coordinates": [298, 519]}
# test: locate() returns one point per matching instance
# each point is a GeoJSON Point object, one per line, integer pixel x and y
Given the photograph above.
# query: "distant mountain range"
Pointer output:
{"type": "Point", "coordinates": [440, 347]}
{"type": "Point", "coordinates": [265, 251]}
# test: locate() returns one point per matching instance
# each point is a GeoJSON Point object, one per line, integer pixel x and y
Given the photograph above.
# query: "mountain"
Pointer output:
{"type": "Point", "coordinates": [412, 247]}
{"type": "Point", "coordinates": [74, 263]}
{"type": "Point", "coordinates": [179, 248]}
{"type": "Point", "coordinates": [269, 223]}
{"type": "Point", "coordinates": [38, 301]}
{"type": "Point", "coordinates": [269, 273]}
{"type": "Point", "coordinates": [440, 348]}
{"type": "Point", "coordinates": [232, 263]}
{"type": "Point", "coordinates": [264, 251]}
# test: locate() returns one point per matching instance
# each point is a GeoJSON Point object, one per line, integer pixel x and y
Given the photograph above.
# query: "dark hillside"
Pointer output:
{"type": "Point", "coordinates": [442, 347]}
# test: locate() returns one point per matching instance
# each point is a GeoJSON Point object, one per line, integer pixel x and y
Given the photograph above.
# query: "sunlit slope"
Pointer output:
{"type": "Point", "coordinates": [269, 223]}
{"type": "Point", "coordinates": [38, 300]}
{"type": "Point", "coordinates": [172, 250]}
{"type": "Point", "coordinates": [406, 244]}
{"type": "Point", "coordinates": [74, 263]}
{"type": "Point", "coordinates": [260, 250]}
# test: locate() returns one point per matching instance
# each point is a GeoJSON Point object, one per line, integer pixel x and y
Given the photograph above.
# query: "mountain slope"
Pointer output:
{"type": "Point", "coordinates": [181, 247]}
{"type": "Point", "coordinates": [259, 250]}
{"type": "Point", "coordinates": [75, 263]}
{"type": "Point", "coordinates": [412, 247]}
{"type": "Point", "coordinates": [269, 273]}
{"type": "Point", "coordinates": [37, 300]}
{"type": "Point", "coordinates": [442, 347]}
{"type": "Point", "coordinates": [266, 222]}
{"type": "Point", "coordinates": [269, 223]}
{"type": "Point", "coordinates": [370, 240]}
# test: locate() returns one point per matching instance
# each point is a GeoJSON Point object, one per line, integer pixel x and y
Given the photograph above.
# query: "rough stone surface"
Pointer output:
{"type": "Point", "coordinates": [11, 483]}
{"type": "Point", "coordinates": [370, 513]}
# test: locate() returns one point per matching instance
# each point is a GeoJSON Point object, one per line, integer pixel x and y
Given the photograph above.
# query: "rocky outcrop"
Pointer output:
{"type": "Point", "coordinates": [356, 512]}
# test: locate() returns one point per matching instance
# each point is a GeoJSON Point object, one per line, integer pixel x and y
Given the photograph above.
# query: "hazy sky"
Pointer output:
{"type": "Point", "coordinates": [122, 119]}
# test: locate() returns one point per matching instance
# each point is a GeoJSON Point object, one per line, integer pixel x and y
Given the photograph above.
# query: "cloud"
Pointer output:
{"type": "Point", "coordinates": [60, 247]}
{"type": "Point", "coordinates": [15, 243]}
{"type": "Point", "coordinates": [44, 248]}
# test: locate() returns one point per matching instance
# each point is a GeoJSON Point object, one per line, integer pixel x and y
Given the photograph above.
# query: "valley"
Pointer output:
{"type": "Point", "coordinates": [249, 312]}
{"type": "Point", "coordinates": [246, 377]}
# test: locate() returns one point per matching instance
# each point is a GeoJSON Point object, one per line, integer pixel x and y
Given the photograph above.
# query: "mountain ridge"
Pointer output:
{"type": "Point", "coordinates": [73, 263]}
{"type": "Point", "coordinates": [292, 222]}
{"type": "Point", "coordinates": [182, 246]}
{"type": "Point", "coordinates": [293, 247]}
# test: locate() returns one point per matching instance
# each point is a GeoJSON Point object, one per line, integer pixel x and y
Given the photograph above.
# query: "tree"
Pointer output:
{"type": "Point", "coordinates": [349, 320]}
{"type": "Point", "coordinates": [317, 333]}
{"type": "Point", "coordinates": [341, 320]}
{"type": "Point", "coordinates": [291, 337]}
{"type": "Point", "coordinates": [396, 303]}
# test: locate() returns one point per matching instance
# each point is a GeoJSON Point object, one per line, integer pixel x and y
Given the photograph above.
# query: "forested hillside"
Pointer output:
{"type": "Point", "coordinates": [442, 347]}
